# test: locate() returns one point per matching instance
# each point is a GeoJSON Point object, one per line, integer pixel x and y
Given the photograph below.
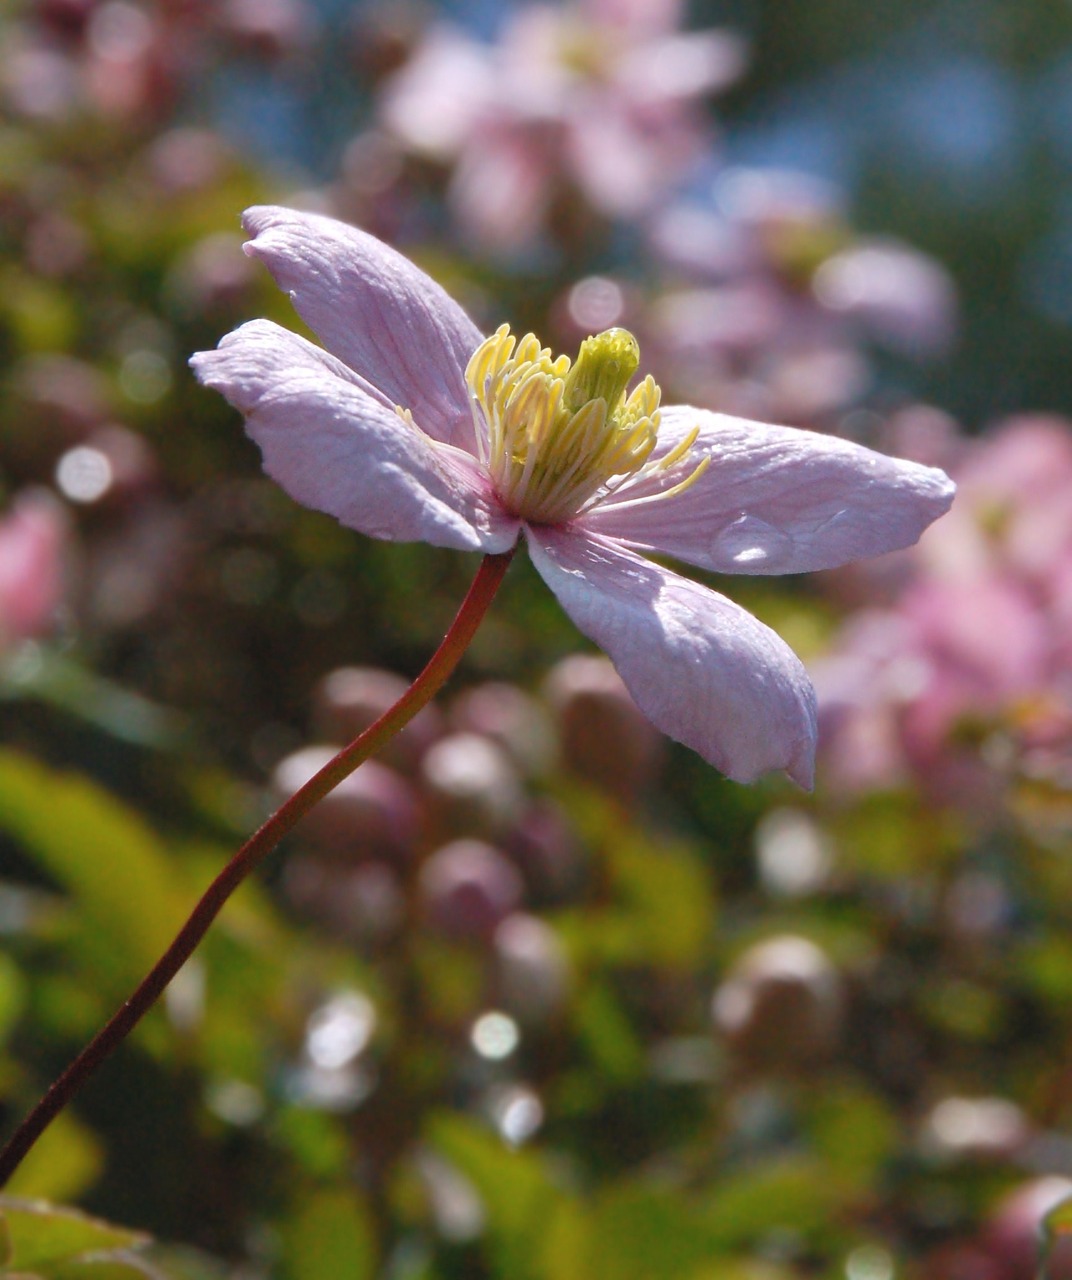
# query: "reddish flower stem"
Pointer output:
{"type": "Point", "coordinates": [253, 852]}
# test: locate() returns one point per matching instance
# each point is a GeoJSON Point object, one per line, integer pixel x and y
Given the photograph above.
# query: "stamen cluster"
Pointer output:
{"type": "Point", "coordinates": [558, 437]}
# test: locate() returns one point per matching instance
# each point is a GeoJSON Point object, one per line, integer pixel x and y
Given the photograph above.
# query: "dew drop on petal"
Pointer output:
{"type": "Point", "coordinates": [753, 544]}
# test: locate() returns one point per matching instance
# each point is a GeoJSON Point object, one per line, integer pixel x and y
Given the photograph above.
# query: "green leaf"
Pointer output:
{"type": "Point", "coordinates": [567, 1244]}
{"type": "Point", "coordinates": [661, 906]}
{"type": "Point", "coordinates": [113, 1268]}
{"type": "Point", "coordinates": [42, 1241]}
{"type": "Point", "coordinates": [743, 1269]}
{"type": "Point", "coordinates": [642, 1232]}
{"type": "Point", "coordinates": [788, 1194]}
{"type": "Point", "coordinates": [854, 1130]}
{"type": "Point", "coordinates": [36, 312]}
{"type": "Point", "coordinates": [668, 897]}
{"type": "Point", "coordinates": [645, 1233]}
{"type": "Point", "coordinates": [42, 1235]}
{"type": "Point", "coordinates": [608, 1035]}
{"type": "Point", "coordinates": [313, 1139]}
{"type": "Point", "coordinates": [520, 1199]}
{"type": "Point", "coordinates": [180, 1263]}
{"type": "Point", "coordinates": [62, 1163]}
{"type": "Point", "coordinates": [100, 851]}
{"type": "Point", "coordinates": [330, 1235]}
{"type": "Point", "coordinates": [12, 994]}
{"type": "Point", "coordinates": [64, 683]}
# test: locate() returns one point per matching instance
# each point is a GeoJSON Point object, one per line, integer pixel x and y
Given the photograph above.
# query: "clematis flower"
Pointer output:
{"type": "Point", "coordinates": [411, 425]}
{"type": "Point", "coordinates": [599, 98]}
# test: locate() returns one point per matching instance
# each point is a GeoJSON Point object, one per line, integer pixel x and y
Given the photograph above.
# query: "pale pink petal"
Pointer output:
{"type": "Point", "coordinates": [640, 18]}
{"type": "Point", "coordinates": [700, 668]}
{"type": "Point", "coordinates": [681, 66]}
{"type": "Point", "coordinates": [436, 100]}
{"type": "Point", "coordinates": [500, 190]}
{"type": "Point", "coordinates": [620, 170]}
{"type": "Point", "coordinates": [904, 297]}
{"type": "Point", "coordinates": [335, 448]}
{"type": "Point", "coordinates": [376, 311]}
{"type": "Point", "coordinates": [774, 499]}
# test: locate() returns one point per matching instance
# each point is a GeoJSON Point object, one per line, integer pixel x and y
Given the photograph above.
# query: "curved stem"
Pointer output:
{"type": "Point", "coordinates": [252, 853]}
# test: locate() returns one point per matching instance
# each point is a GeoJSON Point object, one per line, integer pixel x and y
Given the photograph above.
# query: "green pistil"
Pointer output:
{"type": "Point", "coordinates": [602, 371]}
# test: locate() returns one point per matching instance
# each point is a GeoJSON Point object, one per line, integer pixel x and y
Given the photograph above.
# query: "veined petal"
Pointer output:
{"type": "Point", "coordinates": [335, 448]}
{"type": "Point", "coordinates": [773, 499]}
{"type": "Point", "coordinates": [376, 311]}
{"type": "Point", "coordinates": [701, 668]}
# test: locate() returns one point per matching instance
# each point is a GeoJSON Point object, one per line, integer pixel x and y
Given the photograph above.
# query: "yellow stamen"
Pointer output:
{"type": "Point", "coordinates": [679, 450]}
{"type": "Point", "coordinates": [688, 482]}
{"type": "Point", "coordinates": [559, 436]}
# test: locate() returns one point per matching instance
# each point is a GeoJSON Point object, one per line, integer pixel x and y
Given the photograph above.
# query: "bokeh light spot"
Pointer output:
{"type": "Point", "coordinates": [495, 1036]}
{"type": "Point", "coordinates": [517, 1112]}
{"type": "Point", "coordinates": [144, 376]}
{"type": "Point", "coordinates": [869, 1262]}
{"type": "Point", "coordinates": [340, 1030]}
{"type": "Point", "coordinates": [596, 303]}
{"type": "Point", "coordinates": [84, 474]}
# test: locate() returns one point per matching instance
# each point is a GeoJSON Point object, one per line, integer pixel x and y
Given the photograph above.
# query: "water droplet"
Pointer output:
{"type": "Point", "coordinates": [753, 545]}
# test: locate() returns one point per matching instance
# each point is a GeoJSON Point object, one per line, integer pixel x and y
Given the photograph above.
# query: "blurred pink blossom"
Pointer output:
{"type": "Point", "coordinates": [893, 292]}
{"type": "Point", "coordinates": [600, 98]}
{"type": "Point", "coordinates": [31, 567]}
{"type": "Point", "coordinates": [770, 297]}
{"type": "Point", "coordinates": [965, 677]}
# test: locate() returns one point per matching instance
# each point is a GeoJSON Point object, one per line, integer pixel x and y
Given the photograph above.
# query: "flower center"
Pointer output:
{"type": "Point", "coordinates": [561, 436]}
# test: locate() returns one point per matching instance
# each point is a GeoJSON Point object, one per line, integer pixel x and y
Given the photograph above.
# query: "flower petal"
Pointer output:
{"type": "Point", "coordinates": [334, 447]}
{"type": "Point", "coordinates": [700, 668]}
{"type": "Point", "coordinates": [376, 311]}
{"type": "Point", "coordinates": [773, 499]}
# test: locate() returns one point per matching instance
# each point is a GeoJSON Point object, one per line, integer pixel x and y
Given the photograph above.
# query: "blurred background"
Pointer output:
{"type": "Point", "coordinates": [538, 994]}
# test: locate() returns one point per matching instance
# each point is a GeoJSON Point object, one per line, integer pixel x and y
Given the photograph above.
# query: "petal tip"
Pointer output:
{"type": "Point", "coordinates": [199, 362]}
{"type": "Point", "coordinates": [260, 216]}
{"type": "Point", "coordinates": [798, 764]}
{"type": "Point", "coordinates": [259, 219]}
{"type": "Point", "coordinates": [802, 770]}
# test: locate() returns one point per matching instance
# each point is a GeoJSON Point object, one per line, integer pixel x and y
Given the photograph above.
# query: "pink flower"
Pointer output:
{"type": "Point", "coordinates": [602, 97]}
{"type": "Point", "coordinates": [31, 567]}
{"type": "Point", "coordinates": [962, 684]}
{"type": "Point", "coordinates": [412, 426]}
{"type": "Point", "coordinates": [772, 300]}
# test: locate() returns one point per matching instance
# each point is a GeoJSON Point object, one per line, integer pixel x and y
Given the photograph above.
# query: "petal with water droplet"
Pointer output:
{"type": "Point", "coordinates": [773, 499]}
